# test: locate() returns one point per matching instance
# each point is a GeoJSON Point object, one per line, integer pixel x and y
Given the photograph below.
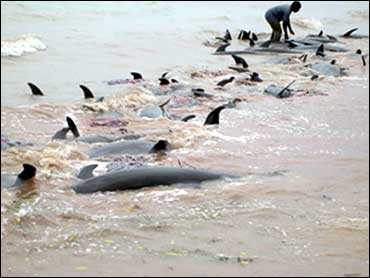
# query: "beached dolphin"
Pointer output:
{"type": "Point", "coordinates": [104, 138]}
{"type": "Point", "coordinates": [327, 68]}
{"type": "Point", "coordinates": [241, 63]}
{"type": "Point", "coordinates": [13, 181]}
{"type": "Point", "coordinates": [131, 147]}
{"type": "Point", "coordinates": [143, 177]}
{"type": "Point", "coordinates": [280, 92]}
{"type": "Point", "coordinates": [35, 90]}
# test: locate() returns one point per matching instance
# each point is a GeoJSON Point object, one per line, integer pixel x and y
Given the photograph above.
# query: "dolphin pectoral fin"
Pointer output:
{"type": "Point", "coordinates": [87, 92]}
{"type": "Point", "coordinates": [164, 104]}
{"type": "Point", "coordinates": [87, 172]}
{"type": "Point", "coordinates": [222, 48]}
{"type": "Point", "coordinates": [61, 134]}
{"type": "Point", "coordinates": [164, 74]}
{"type": "Point", "coordinates": [291, 44]}
{"type": "Point", "coordinates": [28, 172]}
{"type": "Point", "coordinates": [281, 94]}
{"type": "Point", "coordinates": [266, 44]}
{"type": "Point", "coordinates": [188, 118]}
{"type": "Point", "coordinates": [35, 90]}
{"type": "Point", "coordinates": [214, 117]}
{"type": "Point", "coordinates": [222, 39]}
{"type": "Point", "coordinates": [363, 57]}
{"type": "Point", "coordinates": [239, 70]}
{"type": "Point", "coordinates": [136, 75]}
{"type": "Point", "coordinates": [72, 126]}
{"type": "Point", "coordinates": [349, 33]}
{"type": "Point", "coordinates": [332, 37]}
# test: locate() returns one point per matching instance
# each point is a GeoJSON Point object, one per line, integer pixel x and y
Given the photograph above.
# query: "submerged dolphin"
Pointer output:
{"type": "Point", "coordinates": [144, 177]}
{"type": "Point", "coordinates": [153, 112]}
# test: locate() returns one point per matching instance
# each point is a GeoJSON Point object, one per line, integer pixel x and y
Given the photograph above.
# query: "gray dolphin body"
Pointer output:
{"type": "Point", "coordinates": [145, 177]}
{"type": "Point", "coordinates": [276, 91]}
{"type": "Point", "coordinates": [327, 69]}
{"type": "Point", "coordinates": [132, 147]}
{"type": "Point", "coordinates": [152, 112]}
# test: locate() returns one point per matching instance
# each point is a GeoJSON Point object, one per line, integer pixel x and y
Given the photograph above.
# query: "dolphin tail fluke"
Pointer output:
{"type": "Point", "coordinates": [35, 90]}
{"type": "Point", "coordinates": [28, 172]}
{"type": "Point", "coordinates": [72, 126]}
{"type": "Point", "coordinates": [349, 33]}
{"type": "Point", "coordinates": [87, 172]}
{"type": "Point", "coordinates": [87, 92]}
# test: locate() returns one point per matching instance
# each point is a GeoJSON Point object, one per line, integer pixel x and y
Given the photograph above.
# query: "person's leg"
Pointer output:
{"type": "Point", "coordinates": [270, 21]}
{"type": "Point", "coordinates": [276, 29]}
{"type": "Point", "coordinates": [279, 32]}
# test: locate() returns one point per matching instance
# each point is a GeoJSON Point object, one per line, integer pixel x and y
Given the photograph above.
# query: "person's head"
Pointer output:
{"type": "Point", "coordinates": [296, 6]}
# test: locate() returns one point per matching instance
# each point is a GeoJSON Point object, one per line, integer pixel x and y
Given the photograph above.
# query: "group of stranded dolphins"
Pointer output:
{"type": "Point", "coordinates": [129, 144]}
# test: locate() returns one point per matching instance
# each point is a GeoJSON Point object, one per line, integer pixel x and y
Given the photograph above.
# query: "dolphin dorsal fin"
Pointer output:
{"type": "Point", "coordinates": [87, 172]}
{"type": "Point", "coordinates": [240, 61]}
{"type": "Point", "coordinates": [214, 117]}
{"type": "Point", "coordinates": [163, 81]}
{"type": "Point", "coordinates": [188, 118]}
{"type": "Point", "coordinates": [349, 33]}
{"type": "Point", "coordinates": [73, 127]}
{"type": "Point", "coordinates": [28, 172]}
{"type": "Point", "coordinates": [321, 51]}
{"type": "Point", "coordinates": [35, 90]}
{"type": "Point", "coordinates": [136, 75]}
{"type": "Point", "coordinates": [87, 92]}
{"type": "Point", "coordinates": [160, 146]}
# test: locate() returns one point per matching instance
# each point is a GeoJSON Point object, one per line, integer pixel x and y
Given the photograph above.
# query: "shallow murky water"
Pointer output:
{"type": "Point", "coordinates": [300, 206]}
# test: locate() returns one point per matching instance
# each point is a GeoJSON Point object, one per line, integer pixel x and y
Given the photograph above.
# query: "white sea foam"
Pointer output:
{"type": "Point", "coordinates": [21, 45]}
